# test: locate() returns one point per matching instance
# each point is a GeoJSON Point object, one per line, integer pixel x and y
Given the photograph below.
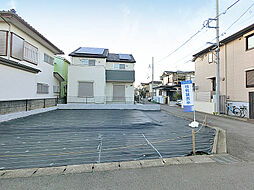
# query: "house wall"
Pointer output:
{"type": "Point", "coordinates": [61, 67]}
{"type": "Point", "coordinates": [234, 61]}
{"type": "Point", "coordinates": [22, 80]}
{"type": "Point", "coordinates": [94, 74]}
{"type": "Point", "coordinates": [128, 66]}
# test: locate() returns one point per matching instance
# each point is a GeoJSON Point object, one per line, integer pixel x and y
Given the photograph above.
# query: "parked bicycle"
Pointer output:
{"type": "Point", "coordinates": [235, 110]}
{"type": "Point", "coordinates": [244, 111]}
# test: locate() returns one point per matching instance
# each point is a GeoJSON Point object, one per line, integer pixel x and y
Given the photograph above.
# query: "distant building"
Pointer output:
{"type": "Point", "coordinates": [26, 66]}
{"type": "Point", "coordinates": [61, 71]}
{"type": "Point", "coordinates": [171, 83]}
{"type": "Point", "coordinates": [97, 76]}
{"type": "Point", "coordinates": [236, 73]}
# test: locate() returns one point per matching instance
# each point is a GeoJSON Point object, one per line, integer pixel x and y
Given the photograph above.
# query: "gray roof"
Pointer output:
{"type": "Point", "coordinates": [79, 53]}
{"type": "Point", "coordinates": [113, 57]}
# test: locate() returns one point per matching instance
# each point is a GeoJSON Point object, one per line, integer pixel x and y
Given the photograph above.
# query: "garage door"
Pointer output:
{"type": "Point", "coordinates": [119, 93]}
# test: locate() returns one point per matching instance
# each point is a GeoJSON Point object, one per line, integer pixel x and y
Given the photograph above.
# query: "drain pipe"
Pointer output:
{"type": "Point", "coordinates": [9, 37]}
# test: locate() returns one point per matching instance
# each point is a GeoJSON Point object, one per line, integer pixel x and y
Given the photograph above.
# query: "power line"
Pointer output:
{"type": "Point", "coordinates": [205, 24]}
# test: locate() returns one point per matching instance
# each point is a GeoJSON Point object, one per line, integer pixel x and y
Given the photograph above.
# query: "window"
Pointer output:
{"type": "Point", "coordinates": [85, 89]}
{"type": "Point", "coordinates": [160, 92]}
{"type": "Point", "coordinates": [30, 53]}
{"type": "Point", "coordinates": [210, 57]}
{"type": "Point", "coordinates": [3, 43]}
{"type": "Point", "coordinates": [213, 84]}
{"type": "Point", "coordinates": [88, 62]}
{"type": "Point", "coordinates": [116, 66]}
{"type": "Point", "coordinates": [249, 79]}
{"type": "Point", "coordinates": [250, 42]}
{"type": "Point", "coordinates": [119, 66]}
{"type": "Point", "coordinates": [48, 59]}
{"type": "Point", "coordinates": [17, 46]}
{"type": "Point", "coordinates": [42, 88]}
{"type": "Point", "coordinates": [56, 89]}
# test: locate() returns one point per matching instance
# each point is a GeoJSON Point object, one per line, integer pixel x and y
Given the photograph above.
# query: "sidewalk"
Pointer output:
{"type": "Point", "coordinates": [240, 134]}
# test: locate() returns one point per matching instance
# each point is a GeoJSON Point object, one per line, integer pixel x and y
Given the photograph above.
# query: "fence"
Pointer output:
{"type": "Point", "coordinates": [101, 100]}
{"type": "Point", "coordinates": [11, 106]}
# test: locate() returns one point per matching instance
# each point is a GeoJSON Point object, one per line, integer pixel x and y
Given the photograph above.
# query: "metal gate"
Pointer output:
{"type": "Point", "coordinates": [251, 105]}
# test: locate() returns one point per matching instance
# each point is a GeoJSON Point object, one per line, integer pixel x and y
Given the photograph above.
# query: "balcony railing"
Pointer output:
{"type": "Point", "coordinates": [120, 75]}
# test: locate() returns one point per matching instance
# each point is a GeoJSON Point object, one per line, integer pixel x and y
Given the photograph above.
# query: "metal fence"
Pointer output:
{"type": "Point", "coordinates": [101, 100]}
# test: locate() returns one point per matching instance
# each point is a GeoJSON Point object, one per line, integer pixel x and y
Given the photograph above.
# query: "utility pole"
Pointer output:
{"type": "Point", "coordinates": [217, 60]}
{"type": "Point", "coordinates": [152, 75]}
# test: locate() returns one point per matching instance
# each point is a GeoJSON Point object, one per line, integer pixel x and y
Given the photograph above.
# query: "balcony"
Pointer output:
{"type": "Point", "coordinates": [120, 76]}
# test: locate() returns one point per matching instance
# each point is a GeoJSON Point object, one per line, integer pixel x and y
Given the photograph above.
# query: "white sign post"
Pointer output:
{"type": "Point", "coordinates": [188, 103]}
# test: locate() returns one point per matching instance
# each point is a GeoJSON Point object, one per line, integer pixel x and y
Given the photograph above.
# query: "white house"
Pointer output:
{"type": "Point", "coordinates": [97, 76]}
{"type": "Point", "coordinates": [27, 79]}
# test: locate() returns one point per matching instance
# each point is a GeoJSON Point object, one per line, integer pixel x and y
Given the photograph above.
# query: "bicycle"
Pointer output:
{"type": "Point", "coordinates": [244, 111]}
{"type": "Point", "coordinates": [235, 110]}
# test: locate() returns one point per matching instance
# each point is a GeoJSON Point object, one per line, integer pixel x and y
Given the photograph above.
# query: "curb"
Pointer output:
{"type": "Point", "coordinates": [219, 144]}
{"type": "Point", "coordinates": [100, 167]}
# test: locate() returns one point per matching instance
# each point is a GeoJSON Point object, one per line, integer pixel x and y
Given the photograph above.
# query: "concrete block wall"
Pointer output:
{"type": "Point", "coordinates": [25, 105]}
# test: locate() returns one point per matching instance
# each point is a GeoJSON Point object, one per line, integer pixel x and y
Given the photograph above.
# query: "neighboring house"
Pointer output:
{"type": "Point", "coordinates": [236, 73]}
{"type": "Point", "coordinates": [61, 71]}
{"type": "Point", "coordinates": [26, 66]}
{"type": "Point", "coordinates": [97, 76]}
{"type": "Point", "coordinates": [152, 86]}
{"type": "Point", "coordinates": [171, 83]}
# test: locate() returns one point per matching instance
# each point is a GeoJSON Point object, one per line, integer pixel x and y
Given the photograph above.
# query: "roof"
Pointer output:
{"type": "Point", "coordinates": [165, 87]}
{"type": "Point", "coordinates": [92, 52]}
{"type": "Point", "coordinates": [99, 52]}
{"type": "Point", "coordinates": [17, 65]}
{"type": "Point", "coordinates": [225, 41]}
{"type": "Point", "coordinates": [58, 76]}
{"type": "Point", "coordinates": [182, 72]}
{"type": "Point", "coordinates": [13, 18]}
{"type": "Point", "coordinates": [155, 82]}
{"type": "Point", "coordinates": [113, 57]}
{"type": "Point", "coordinates": [62, 58]}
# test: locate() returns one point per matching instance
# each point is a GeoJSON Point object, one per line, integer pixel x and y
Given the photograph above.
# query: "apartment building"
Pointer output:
{"type": "Point", "coordinates": [26, 66]}
{"type": "Point", "coordinates": [236, 73]}
{"type": "Point", "coordinates": [97, 76]}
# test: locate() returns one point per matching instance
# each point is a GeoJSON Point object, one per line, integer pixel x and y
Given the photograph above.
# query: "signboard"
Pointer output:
{"type": "Point", "coordinates": [187, 96]}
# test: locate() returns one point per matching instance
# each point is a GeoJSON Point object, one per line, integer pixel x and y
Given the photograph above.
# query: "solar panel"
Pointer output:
{"type": "Point", "coordinates": [125, 56]}
{"type": "Point", "coordinates": [88, 50]}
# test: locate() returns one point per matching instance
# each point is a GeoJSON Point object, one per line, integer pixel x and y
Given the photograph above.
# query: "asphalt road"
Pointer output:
{"type": "Point", "coordinates": [176, 177]}
{"type": "Point", "coordinates": [240, 135]}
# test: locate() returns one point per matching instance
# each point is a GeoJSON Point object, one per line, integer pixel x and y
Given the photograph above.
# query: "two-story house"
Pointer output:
{"type": "Point", "coordinates": [171, 83]}
{"type": "Point", "coordinates": [97, 76]}
{"type": "Point", "coordinates": [27, 78]}
{"type": "Point", "coordinates": [236, 73]}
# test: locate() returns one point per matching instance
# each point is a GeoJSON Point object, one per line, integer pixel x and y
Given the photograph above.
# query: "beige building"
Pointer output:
{"type": "Point", "coordinates": [97, 76]}
{"type": "Point", "coordinates": [236, 73]}
{"type": "Point", "coordinates": [27, 79]}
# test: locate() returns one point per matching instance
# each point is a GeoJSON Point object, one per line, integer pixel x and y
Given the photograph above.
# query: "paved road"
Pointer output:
{"type": "Point", "coordinates": [190, 176]}
{"type": "Point", "coordinates": [177, 177]}
{"type": "Point", "coordinates": [240, 135]}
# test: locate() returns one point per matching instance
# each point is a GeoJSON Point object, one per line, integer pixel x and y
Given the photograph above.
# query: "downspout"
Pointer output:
{"type": "Point", "coordinates": [9, 38]}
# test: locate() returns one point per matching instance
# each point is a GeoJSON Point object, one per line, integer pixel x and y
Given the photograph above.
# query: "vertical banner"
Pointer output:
{"type": "Point", "coordinates": [187, 96]}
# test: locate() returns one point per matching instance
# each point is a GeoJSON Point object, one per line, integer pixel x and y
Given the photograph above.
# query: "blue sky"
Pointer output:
{"type": "Point", "coordinates": [144, 28]}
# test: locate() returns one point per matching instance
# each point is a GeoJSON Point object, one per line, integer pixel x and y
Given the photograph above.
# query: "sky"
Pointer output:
{"type": "Point", "coordinates": [143, 28]}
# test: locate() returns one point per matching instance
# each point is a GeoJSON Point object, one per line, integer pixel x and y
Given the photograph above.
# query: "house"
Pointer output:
{"type": "Point", "coordinates": [97, 76]}
{"type": "Point", "coordinates": [61, 67]}
{"type": "Point", "coordinates": [151, 86]}
{"type": "Point", "coordinates": [171, 83]}
{"type": "Point", "coordinates": [26, 66]}
{"type": "Point", "coordinates": [236, 73]}
{"type": "Point", "coordinates": [145, 88]}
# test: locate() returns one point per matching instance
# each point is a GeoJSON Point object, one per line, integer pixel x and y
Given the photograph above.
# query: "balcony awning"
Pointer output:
{"type": "Point", "coordinates": [58, 77]}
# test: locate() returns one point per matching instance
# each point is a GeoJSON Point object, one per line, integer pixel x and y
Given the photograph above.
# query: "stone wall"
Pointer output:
{"type": "Point", "coordinates": [26, 105]}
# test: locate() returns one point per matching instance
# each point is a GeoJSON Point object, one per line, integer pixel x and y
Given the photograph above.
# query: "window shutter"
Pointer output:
{"type": "Point", "coordinates": [30, 53]}
{"type": "Point", "coordinates": [17, 47]}
{"type": "Point", "coordinates": [85, 89]}
{"type": "Point", "coordinates": [3, 42]}
{"type": "Point", "coordinates": [250, 78]}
